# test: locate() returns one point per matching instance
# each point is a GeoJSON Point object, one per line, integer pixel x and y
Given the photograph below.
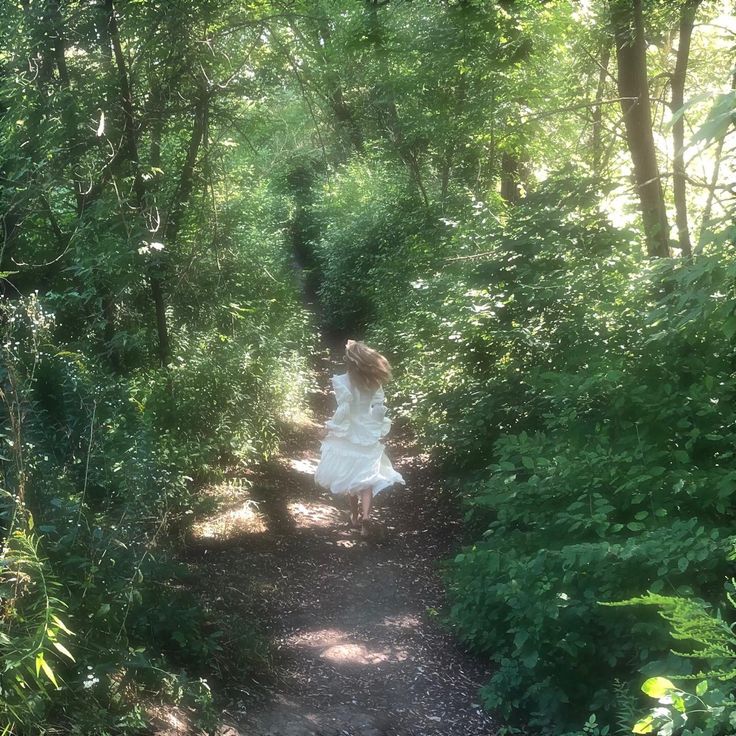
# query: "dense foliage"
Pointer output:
{"type": "Point", "coordinates": [528, 206]}
{"type": "Point", "coordinates": [580, 395]}
{"type": "Point", "coordinates": [152, 337]}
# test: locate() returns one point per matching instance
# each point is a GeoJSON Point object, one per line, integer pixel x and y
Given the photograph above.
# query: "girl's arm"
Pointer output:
{"type": "Point", "coordinates": [378, 412]}
{"type": "Point", "coordinates": [339, 424]}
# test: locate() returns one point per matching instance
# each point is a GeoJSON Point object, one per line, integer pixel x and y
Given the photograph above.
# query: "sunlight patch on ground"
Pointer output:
{"type": "Point", "coordinates": [244, 519]}
{"type": "Point", "coordinates": [317, 638]}
{"type": "Point", "coordinates": [351, 653]}
{"type": "Point", "coordinates": [346, 543]}
{"type": "Point", "coordinates": [333, 646]}
{"type": "Point", "coordinates": [305, 465]}
{"type": "Point", "coordinates": [168, 720]}
{"type": "Point", "coordinates": [310, 515]}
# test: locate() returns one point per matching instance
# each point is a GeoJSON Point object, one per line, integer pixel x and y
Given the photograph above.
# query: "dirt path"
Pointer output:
{"type": "Point", "coordinates": [359, 648]}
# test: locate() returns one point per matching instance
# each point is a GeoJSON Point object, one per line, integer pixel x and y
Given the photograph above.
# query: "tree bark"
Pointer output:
{"type": "Point", "coordinates": [679, 185]}
{"type": "Point", "coordinates": [510, 178]}
{"type": "Point", "coordinates": [633, 87]}
{"type": "Point", "coordinates": [597, 133]}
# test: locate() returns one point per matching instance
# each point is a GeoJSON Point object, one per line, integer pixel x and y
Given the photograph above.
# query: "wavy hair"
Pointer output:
{"type": "Point", "coordinates": [367, 368]}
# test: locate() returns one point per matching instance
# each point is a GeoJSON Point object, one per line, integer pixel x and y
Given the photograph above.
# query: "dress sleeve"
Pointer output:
{"type": "Point", "coordinates": [339, 424]}
{"type": "Point", "coordinates": [378, 412]}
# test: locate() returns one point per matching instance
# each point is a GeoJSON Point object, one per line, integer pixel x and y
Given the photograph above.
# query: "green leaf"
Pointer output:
{"type": "Point", "coordinates": [61, 624]}
{"type": "Point", "coordinates": [103, 610]}
{"type": "Point", "coordinates": [701, 688]}
{"type": "Point", "coordinates": [656, 687]}
{"type": "Point", "coordinates": [645, 725]}
{"type": "Point", "coordinates": [64, 650]}
{"type": "Point", "coordinates": [49, 673]}
{"type": "Point", "coordinates": [719, 119]}
{"type": "Point", "coordinates": [729, 327]}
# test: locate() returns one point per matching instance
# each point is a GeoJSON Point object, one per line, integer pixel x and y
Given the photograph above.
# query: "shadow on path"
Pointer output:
{"type": "Point", "coordinates": [357, 647]}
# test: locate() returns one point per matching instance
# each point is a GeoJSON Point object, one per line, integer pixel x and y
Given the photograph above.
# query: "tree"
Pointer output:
{"type": "Point", "coordinates": [633, 87]}
{"type": "Point", "coordinates": [679, 185]}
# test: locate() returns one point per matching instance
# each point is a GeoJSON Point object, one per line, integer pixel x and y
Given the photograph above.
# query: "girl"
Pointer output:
{"type": "Point", "coordinates": [353, 460]}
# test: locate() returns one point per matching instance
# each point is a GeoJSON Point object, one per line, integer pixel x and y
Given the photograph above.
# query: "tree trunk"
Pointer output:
{"type": "Point", "coordinates": [129, 150]}
{"type": "Point", "coordinates": [345, 122]}
{"type": "Point", "coordinates": [184, 188]}
{"type": "Point", "coordinates": [633, 87]}
{"type": "Point", "coordinates": [687, 21]}
{"type": "Point", "coordinates": [344, 118]}
{"type": "Point", "coordinates": [385, 101]}
{"type": "Point", "coordinates": [597, 133]}
{"type": "Point", "coordinates": [510, 178]}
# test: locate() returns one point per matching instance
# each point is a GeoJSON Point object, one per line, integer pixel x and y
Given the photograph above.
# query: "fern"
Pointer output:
{"type": "Point", "coordinates": [626, 707]}
{"type": "Point", "coordinates": [710, 708]}
{"type": "Point", "coordinates": [690, 620]}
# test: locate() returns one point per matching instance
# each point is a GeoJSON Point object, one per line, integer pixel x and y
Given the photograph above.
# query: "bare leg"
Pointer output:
{"type": "Point", "coordinates": [354, 509]}
{"type": "Point", "coordinates": [366, 497]}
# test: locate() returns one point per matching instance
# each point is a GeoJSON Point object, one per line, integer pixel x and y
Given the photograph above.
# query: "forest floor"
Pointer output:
{"type": "Point", "coordinates": [357, 646]}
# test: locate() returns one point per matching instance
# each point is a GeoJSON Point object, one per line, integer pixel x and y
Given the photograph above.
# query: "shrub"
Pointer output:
{"type": "Point", "coordinates": [583, 399]}
{"type": "Point", "coordinates": [375, 235]}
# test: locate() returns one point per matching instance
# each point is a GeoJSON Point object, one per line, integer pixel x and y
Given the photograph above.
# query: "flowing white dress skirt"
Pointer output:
{"type": "Point", "coordinates": [349, 468]}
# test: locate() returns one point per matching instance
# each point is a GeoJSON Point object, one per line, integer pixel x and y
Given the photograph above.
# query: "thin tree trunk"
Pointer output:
{"type": "Point", "coordinates": [186, 178]}
{"type": "Point", "coordinates": [679, 185]}
{"type": "Point", "coordinates": [129, 148]}
{"type": "Point", "coordinates": [597, 133]}
{"type": "Point", "coordinates": [510, 178]}
{"type": "Point", "coordinates": [344, 118]}
{"type": "Point", "coordinates": [341, 111]}
{"type": "Point", "coordinates": [387, 103]}
{"type": "Point", "coordinates": [633, 87]}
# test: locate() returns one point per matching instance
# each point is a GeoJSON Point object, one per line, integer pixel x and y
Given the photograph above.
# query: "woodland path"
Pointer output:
{"type": "Point", "coordinates": [358, 647]}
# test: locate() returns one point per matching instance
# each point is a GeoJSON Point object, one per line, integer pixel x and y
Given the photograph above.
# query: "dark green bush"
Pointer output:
{"type": "Point", "coordinates": [375, 235]}
{"type": "Point", "coordinates": [584, 399]}
{"type": "Point", "coordinates": [102, 473]}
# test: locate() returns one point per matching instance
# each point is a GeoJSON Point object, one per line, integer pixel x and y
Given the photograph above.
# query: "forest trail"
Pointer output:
{"type": "Point", "coordinates": [359, 648]}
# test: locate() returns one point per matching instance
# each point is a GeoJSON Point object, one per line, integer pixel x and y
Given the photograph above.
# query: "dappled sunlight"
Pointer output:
{"type": "Point", "coordinates": [346, 543]}
{"type": "Point", "coordinates": [169, 720]}
{"type": "Point", "coordinates": [334, 646]}
{"type": "Point", "coordinates": [316, 638]}
{"type": "Point", "coordinates": [304, 465]}
{"type": "Point", "coordinates": [310, 515]}
{"type": "Point", "coordinates": [243, 519]}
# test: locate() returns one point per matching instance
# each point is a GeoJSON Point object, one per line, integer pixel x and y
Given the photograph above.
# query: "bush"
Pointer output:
{"type": "Point", "coordinates": [102, 470]}
{"type": "Point", "coordinates": [375, 236]}
{"type": "Point", "coordinates": [85, 507]}
{"type": "Point", "coordinates": [584, 401]}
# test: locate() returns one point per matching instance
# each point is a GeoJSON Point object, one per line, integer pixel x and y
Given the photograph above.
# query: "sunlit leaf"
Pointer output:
{"type": "Point", "coordinates": [657, 687]}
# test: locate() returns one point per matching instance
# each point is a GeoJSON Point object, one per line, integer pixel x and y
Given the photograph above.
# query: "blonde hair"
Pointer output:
{"type": "Point", "coordinates": [367, 368]}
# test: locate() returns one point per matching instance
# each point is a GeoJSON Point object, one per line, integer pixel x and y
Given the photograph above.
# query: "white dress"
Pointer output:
{"type": "Point", "coordinates": [353, 457]}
